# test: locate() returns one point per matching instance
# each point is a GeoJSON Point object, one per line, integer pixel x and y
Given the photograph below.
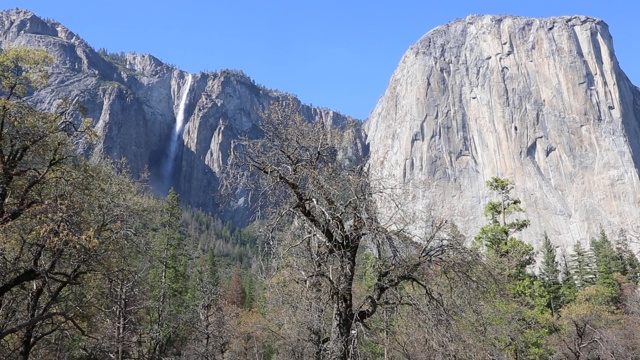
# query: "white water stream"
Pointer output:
{"type": "Point", "coordinates": [177, 131]}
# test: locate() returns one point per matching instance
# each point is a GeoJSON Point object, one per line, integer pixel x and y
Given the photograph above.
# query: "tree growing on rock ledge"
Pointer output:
{"type": "Point", "coordinates": [322, 226]}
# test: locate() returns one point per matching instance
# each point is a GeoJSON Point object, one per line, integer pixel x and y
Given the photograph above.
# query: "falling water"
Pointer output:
{"type": "Point", "coordinates": [177, 131]}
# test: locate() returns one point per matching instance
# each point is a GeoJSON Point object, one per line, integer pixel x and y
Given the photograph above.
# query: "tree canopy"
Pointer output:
{"type": "Point", "coordinates": [93, 266]}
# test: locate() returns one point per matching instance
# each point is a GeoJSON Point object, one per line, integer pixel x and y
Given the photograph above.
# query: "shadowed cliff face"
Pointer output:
{"type": "Point", "coordinates": [134, 101]}
{"type": "Point", "coordinates": [540, 101]}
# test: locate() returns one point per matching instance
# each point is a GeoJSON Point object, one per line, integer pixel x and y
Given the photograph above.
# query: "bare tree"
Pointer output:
{"type": "Point", "coordinates": [322, 216]}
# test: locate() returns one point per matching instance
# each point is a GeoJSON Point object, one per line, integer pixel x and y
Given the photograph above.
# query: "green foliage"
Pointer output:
{"type": "Point", "coordinates": [607, 264]}
{"type": "Point", "coordinates": [170, 305]}
{"type": "Point", "coordinates": [93, 267]}
{"type": "Point", "coordinates": [607, 261]}
{"type": "Point", "coordinates": [497, 236]}
{"type": "Point", "coordinates": [172, 243]}
{"type": "Point", "coordinates": [568, 289]}
{"type": "Point", "coordinates": [23, 70]}
{"type": "Point", "coordinates": [231, 244]}
{"type": "Point", "coordinates": [550, 275]}
{"type": "Point", "coordinates": [211, 275]}
{"type": "Point", "coordinates": [627, 258]}
{"type": "Point", "coordinates": [498, 211]}
{"type": "Point", "coordinates": [119, 59]}
{"type": "Point", "coordinates": [581, 266]}
{"type": "Point", "coordinates": [523, 307]}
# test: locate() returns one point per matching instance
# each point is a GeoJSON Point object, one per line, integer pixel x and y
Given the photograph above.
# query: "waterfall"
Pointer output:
{"type": "Point", "coordinates": [177, 131]}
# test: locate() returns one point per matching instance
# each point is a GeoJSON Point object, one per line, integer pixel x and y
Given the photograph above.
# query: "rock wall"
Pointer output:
{"type": "Point", "coordinates": [542, 102]}
{"type": "Point", "coordinates": [133, 100]}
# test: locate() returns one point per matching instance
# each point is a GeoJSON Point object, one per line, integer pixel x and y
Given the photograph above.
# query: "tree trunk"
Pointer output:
{"type": "Point", "coordinates": [25, 349]}
{"type": "Point", "coordinates": [121, 309]}
{"type": "Point", "coordinates": [342, 325]}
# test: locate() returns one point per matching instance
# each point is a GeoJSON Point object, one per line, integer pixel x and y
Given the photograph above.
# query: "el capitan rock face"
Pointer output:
{"type": "Point", "coordinates": [134, 101]}
{"type": "Point", "coordinates": [542, 102]}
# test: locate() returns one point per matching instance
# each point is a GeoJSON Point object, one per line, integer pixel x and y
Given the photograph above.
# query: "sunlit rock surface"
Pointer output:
{"type": "Point", "coordinates": [542, 102]}
{"type": "Point", "coordinates": [134, 101]}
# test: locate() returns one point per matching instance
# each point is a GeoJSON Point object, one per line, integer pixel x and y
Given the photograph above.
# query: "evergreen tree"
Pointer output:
{"type": "Point", "coordinates": [624, 254]}
{"type": "Point", "coordinates": [581, 266]}
{"type": "Point", "coordinates": [607, 264]}
{"type": "Point", "coordinates": [249, 285]}
{"type": "Point", "coordinates": [568, 290]}
{"type": "Point", "coordinates": [607, 261]}
{"type": "Point", "coordinates": [174, 259]}
{"type": "Point", "coordinates": [497, 236]}
{"type": "Point", "coordinates": [550, 274]}
{"type": "Point", "coordinates": [170, 285]}
{"type": "Point", "coordinates": [210, 283]}
{"type": "Point", "coordinates": [525, 306]}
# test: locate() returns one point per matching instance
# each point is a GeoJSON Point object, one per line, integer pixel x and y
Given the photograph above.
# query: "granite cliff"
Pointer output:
{"type": "Point", "coordinates": [134, 101]}
{"type": "Point", "coordinates": [542, 102]}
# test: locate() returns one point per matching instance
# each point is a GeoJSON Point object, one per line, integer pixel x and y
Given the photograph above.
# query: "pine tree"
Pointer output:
{"type": "Point", "coordinates": [607, 264]}
{"type": "Point", "coordinates": [607, 261]}
{"type": "Point", "coordinates": [525, 306]}
{"type": "Point", "coordinates": [628, 259]}
{"type": "Point", "coordinates": [170, 282]}
{"type": "Point", "coordinates": [249, 286]}
{"type": "Point", "coordinates": [174, 257]}
{"type": "Point", "coordinates": [568, 290]}
{"type": "Point", "coordinates": [211, 277]}
{"type": "Point", "coordinates": [550, 274]}
{"type": "Point", "coordinates": [497, 236]}
{"type": "Point", "coordinates": [581, 266]}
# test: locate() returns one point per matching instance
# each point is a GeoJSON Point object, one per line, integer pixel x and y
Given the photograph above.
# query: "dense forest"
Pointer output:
{"type": "Point", "coordinates": [93, 266]}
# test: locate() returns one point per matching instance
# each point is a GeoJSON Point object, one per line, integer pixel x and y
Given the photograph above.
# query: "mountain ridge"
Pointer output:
{"type": "Point", "coordinates": [134, 99]}
{"type": "Point", "coordinates": [530, 99]}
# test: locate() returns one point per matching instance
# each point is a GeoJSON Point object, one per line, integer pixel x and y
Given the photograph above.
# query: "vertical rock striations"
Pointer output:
{"type": "Point", "coordinates": [135, 101]}
{"type": "Point", "coordinates": [540, 101]}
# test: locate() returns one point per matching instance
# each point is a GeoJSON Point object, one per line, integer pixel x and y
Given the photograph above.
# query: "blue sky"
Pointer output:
{"type": "Point", "coordinates": [334, 54]}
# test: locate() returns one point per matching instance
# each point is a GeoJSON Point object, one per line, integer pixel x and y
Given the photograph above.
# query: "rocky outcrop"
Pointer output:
{"type": "Point", "coordinates": [540, 101]}
{"type": "Point", "coordinates": [134, 101]}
